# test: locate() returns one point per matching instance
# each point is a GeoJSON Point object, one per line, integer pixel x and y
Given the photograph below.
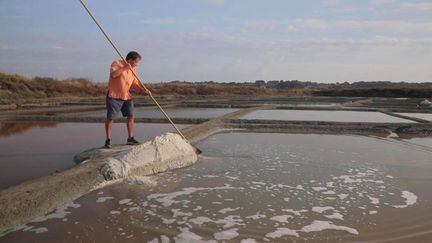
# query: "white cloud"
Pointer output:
{"type": "Point", "coordinates": [381, 2]}
{"type": "Point", "coordinates": [168, 21]}
{"type": "Point", "coordinates": [383, 26]}
{"type": "Point", "coordinates": [345, 10]}
{"type": "Point", "coordinates": [330, 2]}
{"type": "Point", "coordinates": [128, 14]}
{"type": "Point", "coordinates": [214, 55]}
{"type": "Point", "coordinates": [216, 2]}
{"type": "Point", "coordinates": [387, 25]}
{"type": "Point", "coordinates": [159, 21]}
{"type": "Point", "coordinates": [208, 54]}
{"type": "Point", "coordinates": [418, 6]}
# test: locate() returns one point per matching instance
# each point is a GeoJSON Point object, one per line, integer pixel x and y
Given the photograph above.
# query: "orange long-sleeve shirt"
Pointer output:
{"type": "Point", "coordinates": [119, 86]}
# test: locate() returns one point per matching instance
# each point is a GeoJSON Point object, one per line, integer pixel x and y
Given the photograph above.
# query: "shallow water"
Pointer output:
{"type": "Point", "coordinates": [30, 150]}
{"type": "Point", "coordinates": [425, 116]}
{"type": "Point", "coordinates": [264, 188]}
{"type": "Point", "coordinates": [146, 112]}
{"type": "Point", "coordinates": [336, 116]}
{"type": "Point", "coordinates": [299, 105]}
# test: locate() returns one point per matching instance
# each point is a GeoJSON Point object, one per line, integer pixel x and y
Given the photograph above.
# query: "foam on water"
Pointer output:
{"type": "Point", "coordinates": [248, 241]}
{"type": "Point", "coordinates": [186, 236]}
{"type": "Point", "coordinates": [282, 232]}
{"type": "Point", "coordinates": [167, 199]}
{"type": "Point", "coordinates": [103, 199]}
{"type": "Point", "coordinates": [40, 230]}
{"type": "Point", "coordinates": [281, 218]}
{"type": "Point", "coordinates": [284, 198]}
{"type": "Point", "coordinates": [227, 234]}
{"type": "Point", "coordinates": [410, 199]}
{"type": "Point", "coordinates": [318, 225]}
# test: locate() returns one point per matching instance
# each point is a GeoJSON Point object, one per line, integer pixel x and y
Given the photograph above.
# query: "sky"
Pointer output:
{"type": "Point", "coordinates": [221, 40]}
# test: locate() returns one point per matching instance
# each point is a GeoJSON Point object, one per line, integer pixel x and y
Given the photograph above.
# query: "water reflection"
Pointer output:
{"type": "Point", "coordinates": [13, 128]}
{"type": "Point", "coordinates": [30, 150]}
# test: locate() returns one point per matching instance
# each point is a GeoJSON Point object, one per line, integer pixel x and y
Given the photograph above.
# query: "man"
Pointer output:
{"type": "Point", "coordinates": [121, 80]}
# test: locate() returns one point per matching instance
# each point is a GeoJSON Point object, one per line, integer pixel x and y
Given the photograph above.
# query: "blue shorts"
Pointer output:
{"type": "Point", "coordinates": [114, 106]}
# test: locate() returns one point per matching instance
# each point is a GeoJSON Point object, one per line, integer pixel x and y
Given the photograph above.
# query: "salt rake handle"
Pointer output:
{"type": "Point", "coordinates": [136, 76]}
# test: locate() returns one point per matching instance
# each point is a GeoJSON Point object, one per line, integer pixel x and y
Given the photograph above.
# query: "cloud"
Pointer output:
{"type": "Point", "coordinates": [383, 26]}
{"type": "Point", "coordinates": [330, 2]}
{"type": "Point", "coordinates": [168, 21]}
{"type": "Point", "coordinates": [128, 14]}
{"type": "Point", "coordinates": [216, 2]}
{"type": "Point", "coordinates": [344, 10]}
{"type": "Point", "coordinates": [425, 6]}
{"type": "Point", "coordinates": [159, 21]}
{"type": "Point", "coordinates": [209, 54]}
{"type": "Point", "coordinates": [381, 2]}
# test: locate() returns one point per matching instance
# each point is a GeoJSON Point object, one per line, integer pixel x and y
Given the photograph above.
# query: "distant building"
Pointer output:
{"type": "Point", "coordinates": [260, 83]}
{"type": "Point", "coordinates": [273, 83]}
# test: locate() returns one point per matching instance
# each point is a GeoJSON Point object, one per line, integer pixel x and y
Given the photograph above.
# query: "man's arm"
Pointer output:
{"type": "Point", "coordinates": [117, 68]}
{"type": "Point", "coordinates": [136, 86]}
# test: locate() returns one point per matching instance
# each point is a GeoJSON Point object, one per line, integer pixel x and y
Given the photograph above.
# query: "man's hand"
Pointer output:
{"type": "Point", "coordinates": [148, 92]}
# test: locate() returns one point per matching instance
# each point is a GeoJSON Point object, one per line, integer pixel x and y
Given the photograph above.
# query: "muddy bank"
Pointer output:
{"type": "Point", "coordinates": [287, 102]}
{"type": "Point", "coordinates": [59, 118]}
{"type": "Point", "coordinates": [385, 129]}
{"type": "Point", "coordinates": [29, 200]}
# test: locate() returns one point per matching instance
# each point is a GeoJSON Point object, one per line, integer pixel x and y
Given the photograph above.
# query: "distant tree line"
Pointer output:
{"type": "Point", "coordinates": [286, 84]}
{"type": "Point", "coordinates": [382, 92]}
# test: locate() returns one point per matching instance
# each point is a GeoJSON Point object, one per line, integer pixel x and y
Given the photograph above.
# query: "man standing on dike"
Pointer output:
{"type": "Point", "coordinates": [119, 98]}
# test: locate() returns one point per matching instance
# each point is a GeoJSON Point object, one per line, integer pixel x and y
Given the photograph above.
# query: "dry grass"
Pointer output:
{"type": "Point", "coordinates": [206, 89]}
{"type": "Point", "coordinates": [17, 89]}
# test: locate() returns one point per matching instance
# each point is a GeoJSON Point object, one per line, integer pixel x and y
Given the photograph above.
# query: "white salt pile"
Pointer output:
{"type": "Point", "coordinates": [167, 151]}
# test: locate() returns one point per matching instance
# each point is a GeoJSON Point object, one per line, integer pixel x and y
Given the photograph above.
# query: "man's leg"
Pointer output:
{"type": "Point", "coordinates": [108, 131]}
{"type": "Point", "coordinates": [130, 126]}
{"type": "Point", "coordinates": [127, 111]}
{"type": "Point", "coordinates": [113, 107]}
{"type": "Point", "coordinates": [108, 128]}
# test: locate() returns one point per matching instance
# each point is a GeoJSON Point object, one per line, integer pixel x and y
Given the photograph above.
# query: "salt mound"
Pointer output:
{"type": "Point", "coordinates": [167, 151]}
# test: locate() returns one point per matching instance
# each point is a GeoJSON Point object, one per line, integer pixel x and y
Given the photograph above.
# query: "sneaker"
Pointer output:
{"type": "Point", "coordinates": [108, 143]}
{"type": "Point", "coordinates": [132, 141]}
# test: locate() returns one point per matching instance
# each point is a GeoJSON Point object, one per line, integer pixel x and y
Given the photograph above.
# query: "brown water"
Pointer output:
{"type": "Point", "coordinates": [30, 150]}
{"type": "Point", "coordinates": [264, 188]}
{"type": "Point", "coordinates": [335, 116]}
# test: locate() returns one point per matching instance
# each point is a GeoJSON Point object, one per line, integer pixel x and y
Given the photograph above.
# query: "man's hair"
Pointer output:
{"type": "Point", "coordinates": [133, 55]}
